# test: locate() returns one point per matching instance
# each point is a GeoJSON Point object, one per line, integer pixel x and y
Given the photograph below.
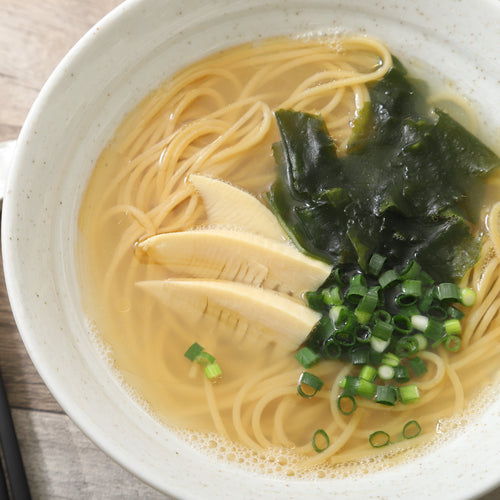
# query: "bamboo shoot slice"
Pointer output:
{"type": "Point", "coordinates": [237, 256]}
{"type": "Point", "coordinates": [230, 206]}
{"type": "Point", "coordinates": [286, 322]}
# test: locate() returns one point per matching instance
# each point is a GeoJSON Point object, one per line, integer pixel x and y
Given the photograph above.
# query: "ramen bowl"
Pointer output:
{"type": "Point", "coordinates": [125, 56]}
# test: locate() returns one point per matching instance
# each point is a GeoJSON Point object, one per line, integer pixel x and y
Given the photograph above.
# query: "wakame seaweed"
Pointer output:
{"type": "Point", "coordinates": [408, 187]}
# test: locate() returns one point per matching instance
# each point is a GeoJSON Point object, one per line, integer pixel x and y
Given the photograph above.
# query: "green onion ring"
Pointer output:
{"type": "Point", "coordinates": [331, 349]}
{"type": "Point", "coordinates": [312, 381]}
{"type": "Point", "coordinates": [324, 435]}
{"type": "Point", "coordinates": [339, 404]}
{"type": "Point", "coordinates": [375, 436]}
{"type": "Point", "coordinates": [407, 434]}
{"type": "Point", "coordinates": [438, 313]}
{"type": "Point", "coordinates": [402, 323]}
{"type": "Point", "coordinates": [452, 343]}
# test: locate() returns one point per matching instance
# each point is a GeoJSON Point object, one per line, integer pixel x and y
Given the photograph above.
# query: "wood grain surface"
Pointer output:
{"type": "Point", "coordinates": [60, 461]}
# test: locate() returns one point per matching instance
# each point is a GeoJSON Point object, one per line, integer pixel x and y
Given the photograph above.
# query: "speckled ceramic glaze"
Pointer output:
{"type": "Point", "coordinates": [105, 75]}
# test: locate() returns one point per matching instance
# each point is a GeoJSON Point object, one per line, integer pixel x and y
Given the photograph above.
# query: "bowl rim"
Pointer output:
{"type": "Point", "coordinates": [9, 216]}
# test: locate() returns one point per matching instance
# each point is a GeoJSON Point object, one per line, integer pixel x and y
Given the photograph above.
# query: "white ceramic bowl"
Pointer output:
{"type": "Point", "coordinates": [105, 75]}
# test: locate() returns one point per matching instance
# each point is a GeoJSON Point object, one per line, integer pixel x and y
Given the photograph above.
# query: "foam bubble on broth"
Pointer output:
{"type": "Point", "coordinates": [284, 464]}
{"type": "Point", "coordinates": [105, 352]}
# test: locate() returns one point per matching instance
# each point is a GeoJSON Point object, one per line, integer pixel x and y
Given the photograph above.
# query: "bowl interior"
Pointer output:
{"type": "Point", "coordinates": [118, 62]}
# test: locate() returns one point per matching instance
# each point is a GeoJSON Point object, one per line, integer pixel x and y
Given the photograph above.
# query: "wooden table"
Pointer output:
{"type": "Point", "coordinates": [60, 461]}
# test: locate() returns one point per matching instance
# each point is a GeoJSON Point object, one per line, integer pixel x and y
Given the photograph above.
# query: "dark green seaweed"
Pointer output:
{"type": "Point", "coordinates": [408, 188]}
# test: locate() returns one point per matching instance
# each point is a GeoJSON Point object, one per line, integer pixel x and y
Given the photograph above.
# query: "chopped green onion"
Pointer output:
{"type": "Point", "coordinates": [434, 330]}
{"type": "Point", "coordinates": [401, 374]}
{"type": "Point", "coordinates": [345, 318]}
{"type": "Point", "coordinates": [382, 315]}
{"type": "Point", "coordinates": [379, 439]}
{"type": "Point", "coordinates": [455, 313]}
{"type": "Point", "coordinates": [346, 404]}
{"type": "Point", "coordinates": [421, 315]}
{"type": "Point", "coordinates": [334, 313]}
{"type": "Point", "coordinates": [427, 299]}
{"type": "Point", "coordinates": [357, 289]}
{"type": "Point", "coordinates": [419, 322]}
{"type": "Point", "coordinates": [193, 351]}
{"type": "Point", "coordinates": [386, 372]}
{"type": "Point", "coordinates": [376, 357]}
{"type": "Point", "coordinates": [360, 355]}
{"type": "Point", "coordinates": [367, 306]}
{"type": "Point", "coordinates": [411, 271]}
{"type": "Point", "coordinates": [349, 385]}
{"type": "Point", "coordinates": [341, 316]}
{"type": "Point", "coordinates": [410, 311]}
{"type": "Point", "coordinates": [379, 345]}
{"type": "Point", "coordinates": [426, 279]}
{"type": "Point", "coordinates": [331, 349]}
{"type": "Point", "coordinates": [406, 346]}
{"type": "Point", "coordinates": [382, 330]}
{"type": "Point", "coordinates": [452, 343]}
{"type": "Point", "coordinates": [412, 288]}
{"type": "Point", "coordinates": [366, 389]}
{"type": "Point", "coordinates": [307, 357]}
{"type": "Point", "coordinates": [323, 435]}
{"type": "Point", "coordinates": [375, 264]}
{"type": "Point", "coordinates": [402, 324]}
{"type": "Point", "coordinates": [429, 326]}
{"type": "Point", "coordinates": [311, 381]}
{"type": "Point", "coordinates": [212, 371]}
{"type": "Point", "coordinates": [453, 327]}
{"type": "Point", "coordinates": [197, 354]}
{"type": "Point", "coordinates": [448, 292]}
{"type": "Point", "coordinates": [338, 276]}
{"type": "Point", "coordinates": [322, 331]}
{"type": "Point", "coordinates": [345, 337]}
{"type": "Point", "coordinates": [315, 300]}
{"type": "Point", "coordinates": [417, 366]}
{"type": "Point", "coordinates": [363, 334]}
{"type": "Point", "coordinates": [467, 297]}
{"type": "Point", "coordinates": [386, 395]}
{"type": "Point", "coordinates": [332, 296]}
{"type": "Point", "coordinates": [404, 300]}
{"type": "Point", "coordinates": [411, 429]}
{"type": "Point", "coordinates": [437, 312]}
{"type": "Point", "coordinates": [388, 279]}
{"type": "Point", "coordinates": [368, 372]}
{"type": "Point", "coordinates": [204, 358]}
{"type": "Point", "coordinates": [409, 394]}
{"type": "Point", "coordinates": [390, 359]}
{"type": "Point", "coordinates": [421, 341]}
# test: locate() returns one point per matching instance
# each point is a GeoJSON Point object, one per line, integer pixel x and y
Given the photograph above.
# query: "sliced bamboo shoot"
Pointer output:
{"type": "Point", "coordinates": [285, 321]}
{"type": "Point", "coordinates": [237, 256]}
{"type": "Point", "coordinates": [229, 206]}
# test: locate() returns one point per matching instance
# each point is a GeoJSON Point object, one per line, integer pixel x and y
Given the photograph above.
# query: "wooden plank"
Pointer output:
{"type": "Point", "coordinates": [62, 463]}
{"type": "Point", "coordinates": [34, 37]}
